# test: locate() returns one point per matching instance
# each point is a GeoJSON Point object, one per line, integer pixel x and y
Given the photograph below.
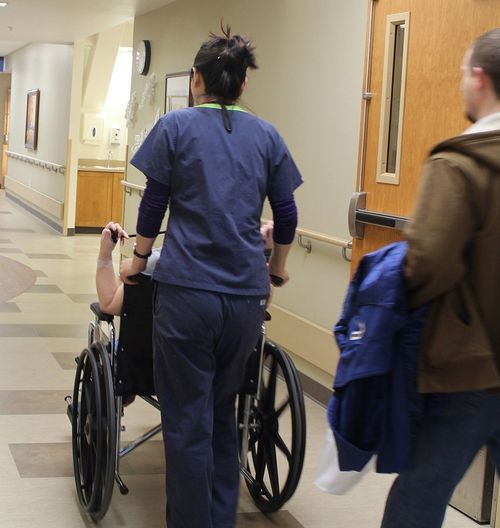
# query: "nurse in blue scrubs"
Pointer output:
{"type": "Point", "coordinates": [213, 165]}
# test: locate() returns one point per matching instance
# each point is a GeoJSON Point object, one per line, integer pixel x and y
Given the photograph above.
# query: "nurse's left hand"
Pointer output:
{"type": "Point", "coordinates": [130, 267]}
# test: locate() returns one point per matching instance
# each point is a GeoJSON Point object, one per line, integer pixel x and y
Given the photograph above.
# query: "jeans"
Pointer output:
{"type": "Point", "coordinates": [450, 435]}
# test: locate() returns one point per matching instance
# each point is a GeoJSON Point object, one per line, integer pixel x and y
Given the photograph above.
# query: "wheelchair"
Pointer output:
{"type": "Point", "coordinates": [270, 410]}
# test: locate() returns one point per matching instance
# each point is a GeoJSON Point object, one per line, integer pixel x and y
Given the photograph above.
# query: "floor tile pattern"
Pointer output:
{"type": "Point", "coordinates": [41, 331]}
{"type": "Point", "coordinates": [33, 402]}
{"type": "Point", "coordinates": [9, 250]}
{"type": "Point", "coordinates": [66, 360]}
{"type": "Point", "coordinates": [15, 278]}
{"type": "Point", "coordinates": [54, 460]}
{"type": "Point", "coordinates": [9, 307]}
{"type": "Point", "coordinates": [48, 256]}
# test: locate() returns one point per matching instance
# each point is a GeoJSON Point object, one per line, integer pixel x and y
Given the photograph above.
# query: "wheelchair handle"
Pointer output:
{"type": "Point", "coordinates": [114, 235]}
{"type": "Point", "coordinates": [275, 280]}
{"type": "Point", "coordinates": [159, 233]}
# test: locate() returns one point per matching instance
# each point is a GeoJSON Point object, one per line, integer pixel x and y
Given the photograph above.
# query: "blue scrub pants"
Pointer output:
{"type": "Point", "coordinates": [202, 341]}
{"type": "Point", "coordinates": [449, 438]}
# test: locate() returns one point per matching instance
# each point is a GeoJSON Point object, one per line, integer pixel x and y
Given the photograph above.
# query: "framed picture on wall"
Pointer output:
{"type": "Point", "coordinates": [32, 108]}
{"type": "Point", "coordinates": [177, 102]}
{"type": "Point", "coordinates": [177, 91]}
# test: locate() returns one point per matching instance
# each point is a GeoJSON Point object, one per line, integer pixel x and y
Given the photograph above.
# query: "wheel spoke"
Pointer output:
{"type": "Point", "coordinates": [276, 453]}
{"type": "Point", "coordinates": [83, 461]}
{"type": "Point", "coordinates": [270, 391]}
{"type": "Point", "coordinates": [278, 412]}
{"type": "Point", "coordinates": [272, 467]}
{"type": "Point", "coordinates": [259, 462]}
{"type": "Point", "coordinates": [266, 492]}
{"type": "Point", "coordinates": [280, 444]}
{"type": "Point", "coordinates": [87, 477]}
{"type": "Point", "coordinates": [252, 441]}
{"type": "Point", "coordinates": [89, 400]}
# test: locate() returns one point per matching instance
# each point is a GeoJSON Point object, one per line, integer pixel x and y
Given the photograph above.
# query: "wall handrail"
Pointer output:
{"type": "Point", "coordinates": [49, 165]}
{"type": "Point", "coordinates": [320, 237]}
{"type": "Point", "coordinates": [306, 233]}
{"type": "Point", "coordinates": [334, 241]}
{"type": "Point", "coordinates": [134, 186]}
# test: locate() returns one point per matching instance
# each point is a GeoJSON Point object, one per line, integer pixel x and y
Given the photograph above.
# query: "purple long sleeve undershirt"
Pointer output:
{"type": "Point", "coordinates": [152, 209]}
{"type": "Point", "coordinates": [285, 220]}
{"type": "Point", "coordinates": [155, 200]}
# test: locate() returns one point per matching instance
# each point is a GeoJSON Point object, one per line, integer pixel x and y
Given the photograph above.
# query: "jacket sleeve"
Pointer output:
{"type": "Point", "coordinates": [443, 224]}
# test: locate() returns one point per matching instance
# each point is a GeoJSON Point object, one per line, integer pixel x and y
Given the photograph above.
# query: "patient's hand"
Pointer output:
{"type": "Point", "coordinates": [107, 242]}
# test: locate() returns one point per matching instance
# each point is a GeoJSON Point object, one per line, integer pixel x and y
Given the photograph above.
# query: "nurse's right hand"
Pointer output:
{"type": "Point", "coordinates": [130, 267]}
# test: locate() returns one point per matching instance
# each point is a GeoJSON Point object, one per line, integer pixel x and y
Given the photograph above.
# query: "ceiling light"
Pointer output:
{"type": "Point", "coordinates": [3, 4]}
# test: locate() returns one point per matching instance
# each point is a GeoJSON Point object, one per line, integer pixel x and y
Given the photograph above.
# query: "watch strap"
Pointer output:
{"type": "Point", "coordinates": [140, 255]}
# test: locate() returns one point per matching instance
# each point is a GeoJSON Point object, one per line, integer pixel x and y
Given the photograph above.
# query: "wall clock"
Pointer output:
{"type": "Point", "coordinates": [143, 57]}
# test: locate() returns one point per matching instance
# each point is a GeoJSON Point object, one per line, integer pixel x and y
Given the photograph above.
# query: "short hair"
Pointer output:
{"type": "Point", "coordinates": [486, 55]}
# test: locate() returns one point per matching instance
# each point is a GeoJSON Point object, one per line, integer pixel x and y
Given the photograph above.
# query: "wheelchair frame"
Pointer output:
{"type": "Point", "coordinates": [95, 412]}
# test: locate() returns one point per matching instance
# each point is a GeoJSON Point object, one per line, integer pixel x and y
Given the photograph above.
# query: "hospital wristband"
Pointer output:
{"type": "Point", "coordinates": [104, 263]}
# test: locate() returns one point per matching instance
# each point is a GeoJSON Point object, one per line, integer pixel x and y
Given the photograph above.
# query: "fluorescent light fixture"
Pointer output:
{"type": "Point", "coordinates": [3, 4]}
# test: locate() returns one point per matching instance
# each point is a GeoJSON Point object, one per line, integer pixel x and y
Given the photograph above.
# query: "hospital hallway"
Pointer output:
{"type": "Point", "coordinates": [46, 285]}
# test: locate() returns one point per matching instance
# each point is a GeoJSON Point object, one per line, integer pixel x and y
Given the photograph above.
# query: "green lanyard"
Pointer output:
{"type": "Point", "coordinates": [235, 108]}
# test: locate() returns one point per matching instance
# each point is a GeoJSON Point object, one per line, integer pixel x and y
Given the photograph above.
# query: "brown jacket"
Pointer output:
{"type": "Point", "coordinates": [454, 260]}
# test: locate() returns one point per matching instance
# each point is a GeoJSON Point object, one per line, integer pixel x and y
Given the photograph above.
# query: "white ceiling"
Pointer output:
{"type": "Point", "coordinates": [63, 21]}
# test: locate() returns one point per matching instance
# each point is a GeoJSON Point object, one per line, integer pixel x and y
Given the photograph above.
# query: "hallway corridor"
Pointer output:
{"type": "Point", "coordinates": [46, 285]}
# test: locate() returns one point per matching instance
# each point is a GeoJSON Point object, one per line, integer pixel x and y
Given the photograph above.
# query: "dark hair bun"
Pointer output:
{"type": "Point", "coordinates": [240, 51]}
{"type": "Point", "coordinates": [223, 62]}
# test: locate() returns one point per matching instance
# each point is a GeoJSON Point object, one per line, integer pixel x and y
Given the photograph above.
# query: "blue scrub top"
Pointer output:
{"type": "Point", "coordinates": [217, 185]}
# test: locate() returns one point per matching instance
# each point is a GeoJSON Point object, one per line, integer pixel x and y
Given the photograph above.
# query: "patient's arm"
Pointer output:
{"type": "Point", "coordinates": [109, 288]}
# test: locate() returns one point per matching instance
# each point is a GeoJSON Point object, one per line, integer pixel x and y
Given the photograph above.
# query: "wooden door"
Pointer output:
{"type": "Point", "coordinates": [117, 198]}
{"type": "Point", "coordinates": [438, 33]}
{"type": "Point", "coordinates": [93, 199]}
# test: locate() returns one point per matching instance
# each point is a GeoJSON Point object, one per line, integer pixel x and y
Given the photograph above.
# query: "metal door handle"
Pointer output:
{"type": "Point", "coordinates": [359, 216]}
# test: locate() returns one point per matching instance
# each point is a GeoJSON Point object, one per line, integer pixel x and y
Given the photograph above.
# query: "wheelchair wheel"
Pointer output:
{"type": "Point", "coordinates": [276, 433]}
{"type": "Point", "coordinates": [94, 431]}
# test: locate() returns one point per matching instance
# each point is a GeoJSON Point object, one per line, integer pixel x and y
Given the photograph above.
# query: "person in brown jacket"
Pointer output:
{"type": "Point", "coordinates": [453, 261]}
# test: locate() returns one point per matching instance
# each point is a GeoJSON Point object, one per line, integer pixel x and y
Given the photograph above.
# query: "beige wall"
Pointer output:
{"type": "Point", "coordinates": [93, 62]}
{"type": "Point", "coordinates": [100, 55]}
{"type": "Point", "coordinates": [309, 86]}
{"type": "Point", "coordinates": [46, 67]}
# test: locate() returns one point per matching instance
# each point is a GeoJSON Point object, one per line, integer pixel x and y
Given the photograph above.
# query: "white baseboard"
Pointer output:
{"type": "Point", "coordinates": [36, 199]}
{"type": "Point", "coordinates": [303, 338]}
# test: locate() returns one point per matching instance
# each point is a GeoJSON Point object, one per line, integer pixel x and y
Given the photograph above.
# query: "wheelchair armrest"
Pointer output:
{"type": "Point", "coordinates": [100, 314]}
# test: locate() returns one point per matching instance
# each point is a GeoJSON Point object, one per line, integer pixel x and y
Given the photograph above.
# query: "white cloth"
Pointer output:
{"type": "Point", "coordinates": [152, 260]}
{"type": "Point", "coordinates": [329, 477]}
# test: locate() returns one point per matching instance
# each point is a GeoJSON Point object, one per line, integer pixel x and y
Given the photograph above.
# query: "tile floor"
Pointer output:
{"type": "Point", "coordinates": [43, 320]}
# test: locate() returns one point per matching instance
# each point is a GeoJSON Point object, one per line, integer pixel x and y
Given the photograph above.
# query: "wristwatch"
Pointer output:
{"type": "Point", "coordinates": [140, 255]}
